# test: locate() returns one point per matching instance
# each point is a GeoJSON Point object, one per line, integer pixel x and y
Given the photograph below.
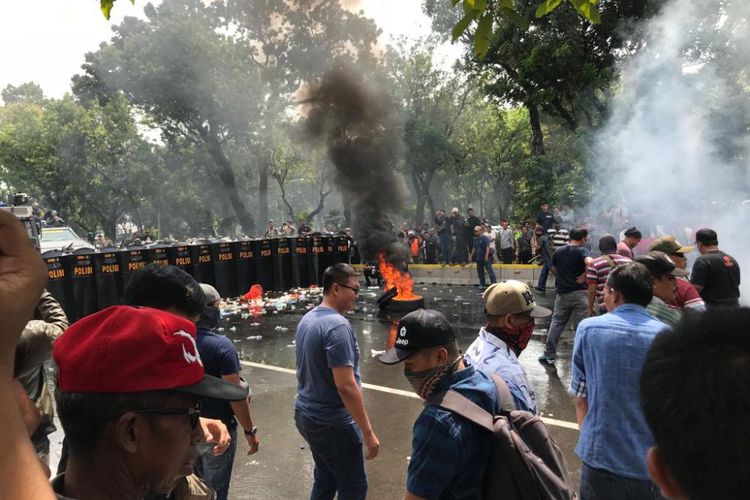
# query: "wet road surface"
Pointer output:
{"type": "Point", "coordinates": [283, 467]}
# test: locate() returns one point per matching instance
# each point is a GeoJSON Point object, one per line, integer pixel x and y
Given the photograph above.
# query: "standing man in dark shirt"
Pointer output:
{"type": "Point", "coordinates": [443, 231]}
{"type": "Point", "coordinates": [569, 265]}
{"type": "Point", "coordinates": [220, 360]}
{"type": "Point", "coordinates": [545, 217]}
{"type": "Point", "coordinates": [716, 275]}
{"type": "Point", "coordinates": [457, 222]}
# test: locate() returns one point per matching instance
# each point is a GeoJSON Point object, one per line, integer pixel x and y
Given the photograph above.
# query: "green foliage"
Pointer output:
{"type": "Point", "coordinates": [86, 161]}
{"type": "Point", "coordinates": [26, 92]}
{"type": "Point", "coordinates": [484, 11]}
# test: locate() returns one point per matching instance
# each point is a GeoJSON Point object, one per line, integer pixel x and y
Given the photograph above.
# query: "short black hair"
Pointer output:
{"type": "Point", "coordinates": [165, 287]}
{"type": "Point", "coordinates": [633, 232]}
{"type": "Point", "coordinates": [337, 273]}
{"type": "Point", "coordinates": [607, 244]}
{"type": "Point", "coordinates": [84, 415]}
{"type": "Point", "coordinates": [633, 281]}
{"type": "Point", "coordinates": [695, 394]}
{"type": "Point", "coordinates": [707, 236]}
{"type": "Point", "coordinates": [578, 233]}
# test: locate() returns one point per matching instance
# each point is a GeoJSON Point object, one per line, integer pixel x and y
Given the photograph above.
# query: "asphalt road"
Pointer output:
{"type": "Point", "coordinates": [283, 467]}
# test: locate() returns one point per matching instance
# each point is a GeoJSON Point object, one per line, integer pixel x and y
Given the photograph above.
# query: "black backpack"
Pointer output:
{"type": "Point", "coordinates": [525, 462]}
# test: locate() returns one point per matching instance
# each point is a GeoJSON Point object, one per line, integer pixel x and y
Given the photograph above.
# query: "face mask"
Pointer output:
{"type": "Point", "coordinates": [418, 379]}
{"type": "Point", "coordinates": [424, 381]}
{"type": "Point", "coordinates": [516, 337]}
{"type": "Point", "coordinates": [210, 316]}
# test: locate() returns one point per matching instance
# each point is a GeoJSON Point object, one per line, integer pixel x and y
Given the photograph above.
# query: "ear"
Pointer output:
{"type": "Point", "coordinates": [126, 432]}
{"type": "Point", "coordinates": [662, 477]}
{"type": "Point", "coordinates": [442, 356]}
{"type": "Point", "coordinates": [507, 321]}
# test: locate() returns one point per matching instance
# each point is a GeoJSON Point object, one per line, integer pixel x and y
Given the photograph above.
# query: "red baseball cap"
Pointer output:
{"type": "Point", "coordinates": [126, 349]}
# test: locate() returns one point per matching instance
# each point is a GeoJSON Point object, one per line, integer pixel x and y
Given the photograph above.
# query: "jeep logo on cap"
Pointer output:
{"type": "Point", "coordinates": [402, 340]}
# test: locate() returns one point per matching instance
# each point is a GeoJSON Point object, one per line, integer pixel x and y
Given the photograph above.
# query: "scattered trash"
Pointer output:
{"type": "Point", "coordinates": [280, 328]}
{"type": "Point", "coordinates": [254, 337]}
{"type": "Point", "coordinates": [233, 329]}
{"type": "Point", "coordinates": [374, 353]}
{"type": "Point", "coordinates": [365, 332]}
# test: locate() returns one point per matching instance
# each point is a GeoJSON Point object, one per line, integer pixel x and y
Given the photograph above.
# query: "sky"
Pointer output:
{"type": "Point", "coordinates": [45, 40]}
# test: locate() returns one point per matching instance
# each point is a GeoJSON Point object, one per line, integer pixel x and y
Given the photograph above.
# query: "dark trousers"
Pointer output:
{"type": "Point", "coordinates": [598, 484]}
{"type": "Point", "coordinates": [506, 254]}
{"type": "Point", "coordinates": [339, 459]}
{"type": "Point", "coordinates": [461, 254]}
{"type": "Point", "coordinates": [524, 256]}
{"type": "Point", "coordinates": [445, 247]}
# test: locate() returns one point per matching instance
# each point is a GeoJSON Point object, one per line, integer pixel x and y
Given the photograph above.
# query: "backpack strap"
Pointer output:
{"type": "Point", "coordinates": [457, 403]}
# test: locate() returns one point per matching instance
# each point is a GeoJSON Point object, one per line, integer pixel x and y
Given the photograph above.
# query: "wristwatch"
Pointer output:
{"type": "Point", "coordinates": [251, 432]}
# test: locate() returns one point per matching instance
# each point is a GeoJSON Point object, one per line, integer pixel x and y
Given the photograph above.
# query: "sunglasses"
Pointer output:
{"type": "Point", "coordinates": [352, 288]}
{"type": "Point", "coordinates": [193, 413]}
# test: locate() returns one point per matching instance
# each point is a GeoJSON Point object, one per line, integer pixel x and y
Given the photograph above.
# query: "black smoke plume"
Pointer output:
{"type": "Point", "coordinates": [356, 123]}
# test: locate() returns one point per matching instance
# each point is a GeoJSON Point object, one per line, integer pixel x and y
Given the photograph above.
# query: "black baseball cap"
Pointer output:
{"type": "Point", "coordinates": [417, 330]}
{"type": "Point", "coordinates": [659, 263]}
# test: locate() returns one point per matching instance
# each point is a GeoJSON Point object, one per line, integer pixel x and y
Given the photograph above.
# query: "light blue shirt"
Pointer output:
{"type": "Point", "coordinates": [490, 355]}
{"type": "Point", "coordinates": [608, 357]}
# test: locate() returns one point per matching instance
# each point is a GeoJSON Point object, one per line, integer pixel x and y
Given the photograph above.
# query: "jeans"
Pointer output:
{"type": "Point", "coordinates": [481, 266]}
{"type": "Point", "coordinates": [542, 284]}
{"type": "Point", "coordinates": [597, 484]}
{"type": "Point", "coordinates": [339, 459]}
{"type": "Point", "coordinates": [567, 305]}
{"type": "Point", "coordinates": [216, 471]}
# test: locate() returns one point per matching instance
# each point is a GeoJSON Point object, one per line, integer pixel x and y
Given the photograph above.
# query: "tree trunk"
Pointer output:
{"type": "Point", "coordinates": [537, 141]}
{"type": "Point", "coordinates": [263, 193]}
{"type": "Point", "coordinates": [227, 178]}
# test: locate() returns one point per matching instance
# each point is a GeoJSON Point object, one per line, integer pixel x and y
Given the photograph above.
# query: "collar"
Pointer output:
{"type": "Point", "coordinates": [493, 339]}
{"type": "Point", "coordinates": [630, 308]}
{"type": "Point", "coordinates": [657, 300]}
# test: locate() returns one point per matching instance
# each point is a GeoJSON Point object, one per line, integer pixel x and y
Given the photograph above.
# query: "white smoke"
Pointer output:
{"type": "Point", "coordinates": [675, 148]}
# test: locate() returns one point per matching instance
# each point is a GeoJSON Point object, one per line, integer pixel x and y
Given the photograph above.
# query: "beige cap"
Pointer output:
{"type": "Point", "coordinates": [512, 297]}
{"type": "Point", "coordinates": [478, 228]}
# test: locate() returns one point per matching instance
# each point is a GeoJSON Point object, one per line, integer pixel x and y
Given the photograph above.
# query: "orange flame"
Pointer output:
{"type": "Point", "coordinates": [394, 278]}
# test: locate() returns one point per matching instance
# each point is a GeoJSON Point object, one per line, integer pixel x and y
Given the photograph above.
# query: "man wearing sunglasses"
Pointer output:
{"type": "Point", "coordinates": [329, 410]}
{"type": "Point", "coordinates": [130, 382]}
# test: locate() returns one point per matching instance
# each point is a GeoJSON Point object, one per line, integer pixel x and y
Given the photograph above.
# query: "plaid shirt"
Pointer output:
{"type": "Point", "coordinates": [449, 453]}
{"type": "Point", "coordinates": [608, 356]}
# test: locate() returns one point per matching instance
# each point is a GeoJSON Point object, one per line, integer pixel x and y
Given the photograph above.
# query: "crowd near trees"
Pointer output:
{"type": "Point", "coordinates": [189, 118]}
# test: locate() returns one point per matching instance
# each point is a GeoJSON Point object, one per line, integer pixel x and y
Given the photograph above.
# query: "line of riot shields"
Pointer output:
{"type": "Point", "coordinates": [87, 281]}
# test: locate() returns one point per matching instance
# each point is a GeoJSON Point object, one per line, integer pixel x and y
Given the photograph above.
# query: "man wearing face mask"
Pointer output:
{"type": "Point", "coordinates": [220, 359]}
{"type": "Point", "coordinates": [449, 454]}
{"type": "Point", "coordinates": [510, 309]}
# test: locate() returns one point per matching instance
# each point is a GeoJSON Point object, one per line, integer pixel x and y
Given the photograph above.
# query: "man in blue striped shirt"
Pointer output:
{"type": "Point", "coordinates": [449, 454]}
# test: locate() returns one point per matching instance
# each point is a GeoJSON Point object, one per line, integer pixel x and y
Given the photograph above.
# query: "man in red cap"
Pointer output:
{"type": "Point", "coordinates": [130, 381]}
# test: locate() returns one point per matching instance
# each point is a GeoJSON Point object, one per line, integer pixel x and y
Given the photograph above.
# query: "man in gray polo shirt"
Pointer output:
{"type": "Point", "coordinates": [329, 410]}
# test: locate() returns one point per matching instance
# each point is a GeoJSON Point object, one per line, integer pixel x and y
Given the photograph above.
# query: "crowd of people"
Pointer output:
{"type": "Point", "coordinates": [151, 397]}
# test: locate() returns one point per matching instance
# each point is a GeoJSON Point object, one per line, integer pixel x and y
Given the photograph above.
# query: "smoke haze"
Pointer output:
{"type": "Point", "coordinates": [674, 152]}
{"type": "Point", "coordinates": [356, 124]}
